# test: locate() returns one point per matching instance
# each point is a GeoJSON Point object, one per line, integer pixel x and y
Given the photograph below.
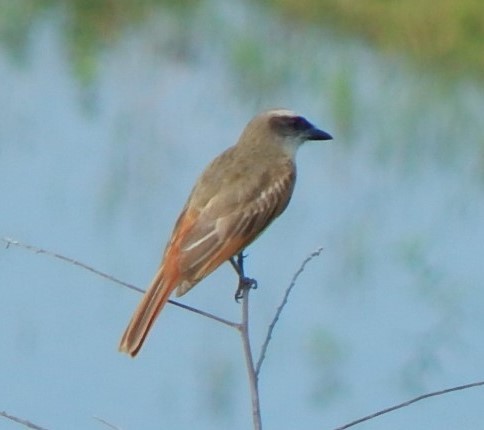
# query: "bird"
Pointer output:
{"type": "Point", "coordinates": [233, 201]}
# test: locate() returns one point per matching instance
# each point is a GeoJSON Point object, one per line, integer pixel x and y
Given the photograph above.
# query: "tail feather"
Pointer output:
{"type": "Point", "coordinates": [145, 314]}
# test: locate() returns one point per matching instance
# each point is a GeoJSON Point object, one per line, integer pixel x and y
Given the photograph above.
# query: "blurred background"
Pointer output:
{"type": "Point", "coordinates": [110, 110]}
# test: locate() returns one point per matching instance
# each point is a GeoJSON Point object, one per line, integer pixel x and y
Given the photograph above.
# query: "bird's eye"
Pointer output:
{"type": "Point", "coordinates": [290, 125]}
{"type": "Point", "coordinates": [299, 123]}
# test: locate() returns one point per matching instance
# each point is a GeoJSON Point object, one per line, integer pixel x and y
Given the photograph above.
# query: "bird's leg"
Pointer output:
{"type": "Point", "coordinates": [235, 265]}
{"type": "Point", "coordinates": [244, 281]}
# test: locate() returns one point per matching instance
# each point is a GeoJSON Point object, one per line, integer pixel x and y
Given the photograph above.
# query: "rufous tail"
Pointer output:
{"type": "Point", "coordinates": [145, 314]}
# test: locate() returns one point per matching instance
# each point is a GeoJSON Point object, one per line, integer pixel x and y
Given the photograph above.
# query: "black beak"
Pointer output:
{"type": "Point", "coordinates": [317, 134]}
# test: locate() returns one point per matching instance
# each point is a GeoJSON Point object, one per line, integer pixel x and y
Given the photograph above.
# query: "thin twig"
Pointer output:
{"type": "Point", "coordinates": [409, 402]}
{"type": "Point", "coordinates": [268, 338]}
{"type": "Point", "coordinates": [243, 328]}
{"type": "Point", "coordinates": [25, 423]}
{"type": "Point", "coordinates": [206, 314]}
{"type": "Point", "coordinates": [106, 423]}
{"type": "Point", "coordinates": [91, 269]}
{"type": "Point", "coordinates": [37, 250]}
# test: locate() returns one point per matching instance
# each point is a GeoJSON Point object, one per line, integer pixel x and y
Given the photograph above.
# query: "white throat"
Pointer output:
{"type": "Point", "coordinates": [291, 145]}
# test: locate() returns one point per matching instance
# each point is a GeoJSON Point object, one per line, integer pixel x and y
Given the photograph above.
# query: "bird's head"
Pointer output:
{"type": "Point", "coordinates": [285, 128]}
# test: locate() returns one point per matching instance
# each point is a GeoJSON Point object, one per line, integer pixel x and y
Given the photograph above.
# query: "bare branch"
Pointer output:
{"type": "Point", "coordinates": [409, 402]}
{"type": "Point", "coordinates": [245, 285]}
{"type": "Point", "coordinates": [205, 314]}
{"type": "Point", "coordinates": [107, 424]}
{"type": "Point", "coordinates": [243, 328]}
{"type": "Point", "coordinates": [25, 423]}
{"type": "Point", "coordinates": [37, 250]}
{"type": "Point", "coordinates": [69, 260]}
{"type": "Point", "coordinates": [281, 307]}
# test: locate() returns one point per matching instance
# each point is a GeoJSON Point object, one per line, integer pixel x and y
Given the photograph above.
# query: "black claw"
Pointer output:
{"type": "Point", "coordinates": [238, 295]}
{"type": "Point", "coordinates": [244, 283]}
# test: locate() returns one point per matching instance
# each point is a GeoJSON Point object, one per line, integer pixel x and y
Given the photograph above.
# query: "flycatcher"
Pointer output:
{"type": "Point", "coordinates": [237, 196]}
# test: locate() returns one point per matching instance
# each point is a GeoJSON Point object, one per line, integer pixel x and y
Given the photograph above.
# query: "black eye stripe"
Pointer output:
{"type": "Point", "coordinates": [299, 123]}
{"type": "Point", "coordinates": [288, 125]}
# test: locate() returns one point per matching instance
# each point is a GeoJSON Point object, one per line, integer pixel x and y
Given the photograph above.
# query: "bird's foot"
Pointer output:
{"type": "Point", "coordinates": [244, 284]}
